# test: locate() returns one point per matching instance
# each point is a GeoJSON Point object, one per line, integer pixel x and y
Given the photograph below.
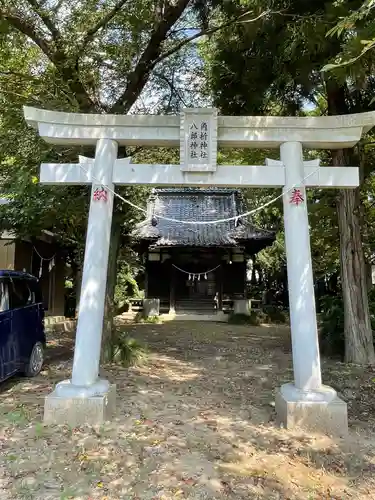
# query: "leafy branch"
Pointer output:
{"type": "Point", "coordinates": [210, 31]}
{"type": "Point", "coordinates": [153, 54]}
{"type": "Point", "coordinates": [350, 24]}
{"type": "Point", "coordinates": [91, 32]}
{"type": "Point", "coordinates": [45, 18]}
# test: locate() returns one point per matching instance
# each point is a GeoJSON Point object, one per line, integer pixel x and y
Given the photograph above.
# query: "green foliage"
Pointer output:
{"type": "Point", "coordinates": [124, 350]}
{"type": "Point", "coordinates": [356, 30]}
{"type": "Point", "coordinates": [243, 319]}
{"type": "Point", "coordinates": [332, 340]}
{"type": "Point", "coordinates": [126, 287]}
{"type": "Point", "coordinates": [331, 323]}
{"type": "Point", "coordinates": [274, 314]}
{"type": "Point", "coordinates": [89, 58]}
{"type": "Point", "coordinates": [273, 67]}
{"type": "Point", "coordinates": [268, 315]}
{"type": "Point", "coordinates": [139, 318]}
{"type": "Point", "coordinates": [114, 56]}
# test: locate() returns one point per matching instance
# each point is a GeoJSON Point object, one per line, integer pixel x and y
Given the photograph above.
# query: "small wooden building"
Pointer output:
{"type": "Point", "coordinates": [41, 257]}
{"type": "Point", "coordinates": [193, 267]}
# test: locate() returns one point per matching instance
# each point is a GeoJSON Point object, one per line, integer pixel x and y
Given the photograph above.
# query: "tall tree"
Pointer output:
{"type": "Point", "coordinates": [80, 56]}
{"type": "Point", "coordinates": [89, 56]}
{"type": "Point", "coordinates": [274, 67]}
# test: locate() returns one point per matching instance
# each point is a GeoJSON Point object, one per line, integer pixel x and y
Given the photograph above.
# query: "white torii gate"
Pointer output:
{"type": "Point", "coordinates": [198, 132]}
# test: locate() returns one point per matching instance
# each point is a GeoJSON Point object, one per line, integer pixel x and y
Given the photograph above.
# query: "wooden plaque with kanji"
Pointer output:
{"type": "Point", "coordinates": [198, 145]}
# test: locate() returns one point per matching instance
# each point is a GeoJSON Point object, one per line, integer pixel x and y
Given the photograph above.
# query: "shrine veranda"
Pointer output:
{"type": "Point", "coordinates": [306, 402]}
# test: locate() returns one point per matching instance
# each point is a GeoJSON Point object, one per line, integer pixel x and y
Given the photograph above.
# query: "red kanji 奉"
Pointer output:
{"type": "Point", "coordinates": [100, 194]}
{"type": "Point", "coordinates": [296, 197]}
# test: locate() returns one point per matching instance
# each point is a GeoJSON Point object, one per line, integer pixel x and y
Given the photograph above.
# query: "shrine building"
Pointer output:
{"type": "Point", "coordinates": [195, 268]}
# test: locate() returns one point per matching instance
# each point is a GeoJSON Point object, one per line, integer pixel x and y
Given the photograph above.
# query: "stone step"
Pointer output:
{"type": "Point", "coordinates": [215, 317]}
{"type": "Point", "coordinates": [51, 320]}
{"type": "Point", "coordinates": [194, 304]}
{"type": "Point", "coordinates": [68, 325]}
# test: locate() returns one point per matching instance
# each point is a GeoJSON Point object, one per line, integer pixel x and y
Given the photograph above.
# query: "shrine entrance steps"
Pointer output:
{"type": "Point", "coordinates": [195, 306]}
{"type": "Point", "coordinates": [215, 317]}
{"type": "Point", "coordinates": [195, 309]}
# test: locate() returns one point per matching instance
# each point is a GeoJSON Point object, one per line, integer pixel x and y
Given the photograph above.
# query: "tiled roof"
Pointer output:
{"type": "Point", "coordinates": [196, 204]}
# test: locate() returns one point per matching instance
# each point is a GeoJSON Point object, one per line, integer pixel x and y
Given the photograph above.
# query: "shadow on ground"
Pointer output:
{"type": "Point", "coordinates": [194, 422]}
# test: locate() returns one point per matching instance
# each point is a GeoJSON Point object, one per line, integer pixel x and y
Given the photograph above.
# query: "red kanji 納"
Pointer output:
{"type": "Point", "coordinates": [100, 194]}
{"type": "Point", "coordinates": [296, 197]}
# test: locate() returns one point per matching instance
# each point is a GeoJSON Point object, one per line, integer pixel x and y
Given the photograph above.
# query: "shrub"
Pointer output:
{"type": "Point", "coordinates": [126, 287]}
{"type": "Point", "coordinates": [125, 350]}
{"type": "Point", "coordinates": [275, 315]}
{"type": "Point", "coordinates": [270, 314]}
{"type": "Point", "coordinates": [139, 318]}
{"type": "Point", "coordinates": [243, 319]}
{"type": "Point", "coordinates": [331, 324]}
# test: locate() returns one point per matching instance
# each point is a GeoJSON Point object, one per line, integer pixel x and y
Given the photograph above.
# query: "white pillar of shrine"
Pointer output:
{"type": "Point", "coordinates": [304, 331]}
{"type": "Point", "coordinates": [85, 381]}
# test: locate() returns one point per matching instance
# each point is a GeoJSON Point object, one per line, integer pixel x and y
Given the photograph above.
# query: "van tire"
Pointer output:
{"type": "Point", "coordinates": [35, 362]}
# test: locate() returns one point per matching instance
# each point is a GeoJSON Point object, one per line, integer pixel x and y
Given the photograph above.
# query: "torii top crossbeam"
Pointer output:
{"type": "Point", "coordinates": [322, 132]}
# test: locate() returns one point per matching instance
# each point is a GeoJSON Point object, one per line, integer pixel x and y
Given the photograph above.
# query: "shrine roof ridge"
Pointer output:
{"type": "Point", "coordinates": [210, 190]}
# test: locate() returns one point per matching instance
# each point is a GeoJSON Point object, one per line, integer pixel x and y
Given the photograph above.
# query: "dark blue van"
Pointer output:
{"type": "Point", "coordinates": [22, 337]}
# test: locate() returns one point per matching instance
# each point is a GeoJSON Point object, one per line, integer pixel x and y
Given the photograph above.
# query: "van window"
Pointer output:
{"type": "Point", "coordinates": [35, 289]}
{"type": "Point", "coordinates": [20, 294]}
{"type": "Point", "coordinates": [4, 306]}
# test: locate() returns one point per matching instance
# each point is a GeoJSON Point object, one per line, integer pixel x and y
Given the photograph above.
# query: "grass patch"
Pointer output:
{"type": "Point", "coordinates": [18, 417]}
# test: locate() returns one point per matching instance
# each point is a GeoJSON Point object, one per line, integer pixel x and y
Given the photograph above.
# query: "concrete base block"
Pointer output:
{"type": "Point", "coordinates": [76, 411]}
{"type": "Point", "coordinates": [324, 414]}
{"type": "Point", "coordinates": [151, 307]}
{"type": "Point", "coordinates": [242, 306]}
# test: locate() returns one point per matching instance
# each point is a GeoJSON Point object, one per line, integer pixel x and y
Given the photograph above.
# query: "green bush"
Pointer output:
{"type": "Point", "coordinates": [274, 315]}
{"type": "Point", "coordinates": [332, 341]}
{"type": "Point", "coordinates": [125, 350]}
{"type": "Point", "coordinates": [139, 318]}
{"type": "Point", "coordinates": [270, 314]}
{"type": "Point", "coordinates": [331, 324]}
{"type": "Point", "coordinates": [242, 319]}
{"type": "Point", "coordinates": [126, 288]}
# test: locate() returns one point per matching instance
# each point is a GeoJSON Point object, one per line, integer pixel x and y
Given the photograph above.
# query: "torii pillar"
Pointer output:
{"type": "Point", "coordinates": [305, 402]}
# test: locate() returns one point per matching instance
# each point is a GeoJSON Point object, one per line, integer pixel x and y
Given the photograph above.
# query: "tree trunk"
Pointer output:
{"type": "Point", "coordinates": [359, 347]}
{"type": "Point", "coordinates": [109, 307]}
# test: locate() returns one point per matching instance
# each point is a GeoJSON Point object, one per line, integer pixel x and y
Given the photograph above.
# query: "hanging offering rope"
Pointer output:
{"type": "Point", "coordinates": [51, 261]}
{"type": "Point", "coordinates": [193, 276]}
{"type": "Point", "coordinates": [156, 216]}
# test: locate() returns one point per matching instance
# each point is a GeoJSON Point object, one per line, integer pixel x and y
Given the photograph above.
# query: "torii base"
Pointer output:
{"type": "Point", "coordinates": [324, 412]}
{"type": "Point", "coordinates": [75, 411]}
